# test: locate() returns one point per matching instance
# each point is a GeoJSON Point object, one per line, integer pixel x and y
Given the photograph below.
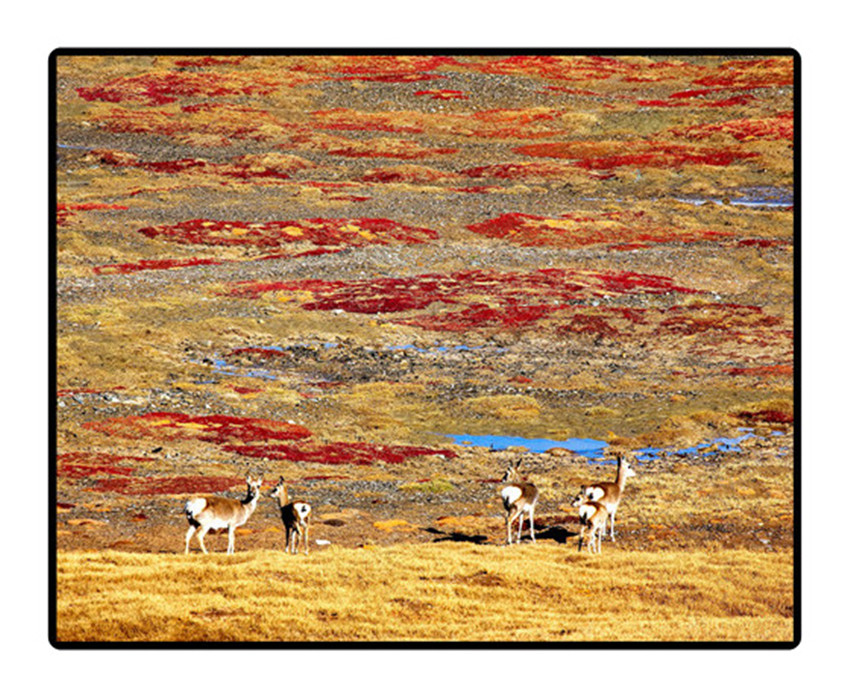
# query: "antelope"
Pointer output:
{"type": "Point", "coordinates": [592, 516]}
{"type": "Point", "coordinates": [609, 494]}
{"type": "Point", "coordinates": [519, 498]}
{"type": "Point", "coordinates": [296, 518]}
{"type": "Point", "coordinates": [205, 513]}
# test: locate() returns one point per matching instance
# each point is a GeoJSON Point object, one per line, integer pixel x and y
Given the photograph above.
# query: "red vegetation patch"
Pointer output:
{"type": "Point", "coordinates": [771, 416]}
{"type": "Point", "coordinates": [353, 232]}
{"type": "Point", "coordinates": [218, 429]}
{"type": "Point", "coordinates": [192, 485]}
{"type": "Point", "coordinates": [582, 323]}
{"type": "Point", "coordinates": [339, 453]}
{"type": "Point", "coordinates": [65, 211]}
{"type": "Point", "coordinates": [780, 127]}
{"type": "Point", "coordinates": [581, 229]}
{"type": "Point", "coordinates": [261, 352]}
{"type": "Point", "coordinates": [723, 317]}
{"type": "Point", "coordinates": [159, 88]}
{"type": "Point", "coordinates": [152, 264]}
{"type": "Point", "coordinates": [579, 319]}
{"type": "Point", "coordinates": [242, 390]}
{"type": "Point", "coordinates": [81, 464]}
{"type": "Point", "coordinates": [760, 242]}
{"type": "Point", "coordinates": [252, 438]}
{"type": "Point", "coordinates": [515, 299]}
{"type": "Point", "coordinates": [776, 370]}
{"type": "Point", "coordinates": [480, 316]}
{"type": "Point", "coordinates": [608, 155]}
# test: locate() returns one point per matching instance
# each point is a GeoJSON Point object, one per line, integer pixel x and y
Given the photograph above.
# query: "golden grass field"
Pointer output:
{"type": "Point", "coordinates": [445, 593]}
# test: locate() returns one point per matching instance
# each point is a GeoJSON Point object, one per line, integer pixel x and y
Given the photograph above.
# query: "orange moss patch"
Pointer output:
{"type": "Point", "coordinates": [441, 94]}
{"type": "Point", "coordinates": [394, 525]}
{"type": "Point", "coordinates": [414, 174]}
{"type": "Point", "coordinates": [529, 171]}
{"type": "Point", "coordinates": [152, 265]}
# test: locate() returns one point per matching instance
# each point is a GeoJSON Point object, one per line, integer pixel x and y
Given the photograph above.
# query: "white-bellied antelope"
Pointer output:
{"type": "Point", "coordinates": [296, 517]}
{"type": "Point", "coordinates": [592, 516]}
{"type": "Point", "coordinates": [609, 494]}
{"type": "Point", "coordinates": [519, 498]}
{"type": "Point", "coordinates": [205, 513]}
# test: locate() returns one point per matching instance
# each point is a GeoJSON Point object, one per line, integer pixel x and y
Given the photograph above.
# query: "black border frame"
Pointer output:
{"type": "Point", "coordinates": [412, 645]}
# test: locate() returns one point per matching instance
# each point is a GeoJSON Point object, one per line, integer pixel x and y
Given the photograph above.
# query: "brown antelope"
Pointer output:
{"type": "Point", "coordinates": [592, 516]}
{"type": "Point", "coordinates": [296, 518]}
{"type": "Point", "coordinates": [519, 498]}
{"type": "Point", "coordinates": [609, 494]}
{"type": "Point", "coordinates": [205, 513]}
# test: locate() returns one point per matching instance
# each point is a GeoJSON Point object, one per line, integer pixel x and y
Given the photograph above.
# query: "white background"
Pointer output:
{"type": "Point", "coordinates": [32, 30]}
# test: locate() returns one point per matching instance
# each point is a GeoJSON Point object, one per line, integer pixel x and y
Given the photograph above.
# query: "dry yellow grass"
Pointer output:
{"type": "Point", "coordinates": [451, 592]}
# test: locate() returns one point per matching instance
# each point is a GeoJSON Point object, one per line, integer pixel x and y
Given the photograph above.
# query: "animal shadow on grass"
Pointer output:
{"type": "Point", "coordinates": [457, 537]}
{"type": "Point", "coordinates": [556, 533]}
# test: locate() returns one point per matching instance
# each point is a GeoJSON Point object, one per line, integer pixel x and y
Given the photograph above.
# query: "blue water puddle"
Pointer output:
{"type": "Point", "coordinates": [764, 197]}
{"type": "Point", "coordinates": [594, 449]}
{"type": "Point", "coordinates": [222, 367]}
{"type": "Point", "coordinates": [750, 203]}
{"type": "Point", "coordinates": [589, 448]}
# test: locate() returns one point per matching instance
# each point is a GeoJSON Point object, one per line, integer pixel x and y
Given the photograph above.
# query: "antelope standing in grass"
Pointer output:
{"type": "Point", "coordinates": [592, 516]}
{"type": "Point", "coordinates": [609, 494]}
{"type": "Point", "coordinates": [519, 498]}
{"type": "Point", "coordinates": [296, 518]}
{"type": "Point", "coordinates": [205, 513]}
